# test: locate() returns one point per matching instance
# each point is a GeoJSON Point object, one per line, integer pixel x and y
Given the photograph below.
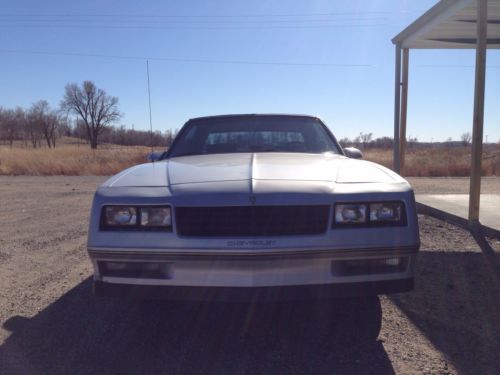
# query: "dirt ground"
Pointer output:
{"type": "Point", "coordinates": [50, 322]}
{"type": "Point", "coordinates": [452, 185]}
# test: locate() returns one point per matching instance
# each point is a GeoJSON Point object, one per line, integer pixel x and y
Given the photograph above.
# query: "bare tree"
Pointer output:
{"type": "Point", "coordinates": [97, 109]}
{"type": "Point", "coordinates": [11, 124]}
{"type": "Point", "coordinates": [45, 121]}
{"type": "Point", "coordinates": [382, 142]}
{"type": "Point", "coordinates": [357, 141]}
{"type": "Point", "coordinates": [32, 128]}
{"type": "Point", "coordinates": [80, 130]}
{"type": "Point", "coordinates": [64, 128]}
{"type": "Point", "coordinates": [344, 142]}
{"type": "Point", "coordinates": [7, 130]}
{"type": "Point", "coordinates": [412, 141]}
{"type": "Point", "coordinates": [54, 124]}
{"type": "Point", "coordinates": [365, 138]}
{"type": "Point", "coordinates": [466, 138]}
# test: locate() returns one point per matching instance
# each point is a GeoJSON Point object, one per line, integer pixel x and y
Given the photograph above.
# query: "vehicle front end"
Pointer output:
{"type": "Point", "coordinates": [171, 229]}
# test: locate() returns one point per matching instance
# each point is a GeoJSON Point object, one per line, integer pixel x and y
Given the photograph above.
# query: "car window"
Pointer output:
{"type": "Point", "coordinates": [253, 134]}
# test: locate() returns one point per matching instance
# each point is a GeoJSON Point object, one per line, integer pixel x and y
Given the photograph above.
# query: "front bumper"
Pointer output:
{"type": "Point", "coordinates": [273, 274]}
{"type": "Point", "coordinates": [256, 294]}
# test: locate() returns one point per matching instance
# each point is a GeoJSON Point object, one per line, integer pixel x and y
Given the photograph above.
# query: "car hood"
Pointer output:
{"type": "Point", "coordinates": [254, 166]}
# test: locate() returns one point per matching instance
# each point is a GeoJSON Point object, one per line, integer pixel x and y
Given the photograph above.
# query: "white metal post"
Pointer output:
{"type": "Point", "coordinates": [478, 119]}
{"type": "Point", "coordinates": [404, 110]}
{"type": "Point", "coordinates": [397, 107]}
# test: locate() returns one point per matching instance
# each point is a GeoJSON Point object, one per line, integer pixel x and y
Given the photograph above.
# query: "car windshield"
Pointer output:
{"type": "Point", "coordinates": [253, 134]}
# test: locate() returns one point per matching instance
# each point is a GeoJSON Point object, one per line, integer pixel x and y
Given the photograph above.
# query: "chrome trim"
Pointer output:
{"type": "Point", "coordinates": [252, 254]}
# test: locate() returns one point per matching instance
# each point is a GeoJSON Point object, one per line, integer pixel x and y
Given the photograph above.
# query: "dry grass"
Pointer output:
{"type": "Point", "coordinates": [442, 162]}
{"type": "Point", "coordinates": [69, 160]}
{"type": "Point", "coordinates": [76, 160]}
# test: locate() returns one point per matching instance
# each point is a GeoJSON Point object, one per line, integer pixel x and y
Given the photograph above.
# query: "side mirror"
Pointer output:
{"type": "Point", "coordinates": [353, 153]}
{"type": "Point", "coordinates": [154, 156]}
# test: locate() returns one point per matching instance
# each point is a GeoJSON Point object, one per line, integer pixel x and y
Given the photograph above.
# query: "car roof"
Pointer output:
{"type": "Point", "coordinates": [254, 115]}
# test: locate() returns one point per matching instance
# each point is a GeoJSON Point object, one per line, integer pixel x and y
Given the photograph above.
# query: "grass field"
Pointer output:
{"type": "Point", "coordinates": [69, 160]}
{"type": "Point", "coordinates": [72, 159]}
{"type": "Point", "coordinates": [439, 162]}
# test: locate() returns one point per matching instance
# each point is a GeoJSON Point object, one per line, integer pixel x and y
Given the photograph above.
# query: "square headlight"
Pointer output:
{"type": "Point", "coordinates": [156, 216]}
{"type": "Point", "coordinates": [119, 216]}
{"type": "Point", "coordinates": [350, 213]}
{"type": "Point", "coordinates": [386, 212]}
{"type": "Point", "coordinates": [138, 218]}
{"type": "Point", "coordinates": [391, 213]}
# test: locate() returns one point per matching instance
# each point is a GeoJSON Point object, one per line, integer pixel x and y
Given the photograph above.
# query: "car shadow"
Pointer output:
{"type": "Point", "coordinates": [456, 305]}
{"type": "Point", "coordinates": [80, 333]}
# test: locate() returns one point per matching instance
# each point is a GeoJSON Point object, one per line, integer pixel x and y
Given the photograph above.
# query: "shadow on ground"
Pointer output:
{"type": "Point", "coordinates": [80, 333]}
{"type": "Point", "coordinates": [456, 305]}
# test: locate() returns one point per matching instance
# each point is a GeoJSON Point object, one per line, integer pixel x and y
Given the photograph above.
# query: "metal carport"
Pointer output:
{"type": "Point", "coordinates": [450, 24]}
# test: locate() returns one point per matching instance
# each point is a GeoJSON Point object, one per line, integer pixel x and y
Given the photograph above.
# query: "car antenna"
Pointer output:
{"type": "Point", "coordinates": [150, 117]}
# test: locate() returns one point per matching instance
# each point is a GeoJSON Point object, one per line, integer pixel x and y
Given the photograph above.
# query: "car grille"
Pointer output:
{"type": "Point", "coordinates": [248, 221]}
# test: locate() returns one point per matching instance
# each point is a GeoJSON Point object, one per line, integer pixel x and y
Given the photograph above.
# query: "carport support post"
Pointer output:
{"type": "Point", "coordinates": [478, 119]}
{"type": "Point", "coordinates": [397, 106]}
{"type": "Point", "coordinates": [404, 110]}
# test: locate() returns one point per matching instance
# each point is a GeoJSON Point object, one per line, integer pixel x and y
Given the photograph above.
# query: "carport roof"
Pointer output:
{"type": "Point", "coordinates": [451, 24]}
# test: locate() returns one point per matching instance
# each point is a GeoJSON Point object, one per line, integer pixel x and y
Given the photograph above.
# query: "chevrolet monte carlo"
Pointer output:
{"type": "Point", "coordinates": [254, 207]}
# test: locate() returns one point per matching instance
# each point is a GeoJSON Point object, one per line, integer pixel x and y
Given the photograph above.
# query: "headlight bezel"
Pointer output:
{"type": "Point", "coordinates": [369, 223]}
{"type": "Point", "coordinates": [138, 226]}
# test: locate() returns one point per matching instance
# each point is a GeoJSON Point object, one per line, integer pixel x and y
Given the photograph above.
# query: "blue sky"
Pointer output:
{"type": "Point", "coordinates": [192, 43]}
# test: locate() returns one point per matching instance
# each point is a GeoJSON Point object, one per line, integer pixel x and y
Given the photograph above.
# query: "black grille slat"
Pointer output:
{"type": "Point", "coordinates": [251, 221]}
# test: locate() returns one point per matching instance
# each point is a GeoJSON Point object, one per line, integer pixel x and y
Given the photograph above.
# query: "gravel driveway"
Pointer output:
{"type": "Point", "coordinates": [50, 323]}
{"type": "Point", "coordinates": [452, 185]}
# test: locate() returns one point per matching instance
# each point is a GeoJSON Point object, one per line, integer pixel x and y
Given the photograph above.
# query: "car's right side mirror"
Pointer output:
{"type": "Point", "coordinates": [155, 156]}
{"type": "Point", "coordinates": [353, 153]}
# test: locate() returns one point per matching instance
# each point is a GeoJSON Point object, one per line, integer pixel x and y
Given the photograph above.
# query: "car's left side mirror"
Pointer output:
{"type": "Point", "coordinates": [353, 153]}
{"type": "Point", "coordinates": [155, 156]}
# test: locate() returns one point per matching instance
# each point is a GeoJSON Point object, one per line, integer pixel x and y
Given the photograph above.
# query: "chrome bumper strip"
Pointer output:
{"type": "Point", "coordinates": [254, 254]}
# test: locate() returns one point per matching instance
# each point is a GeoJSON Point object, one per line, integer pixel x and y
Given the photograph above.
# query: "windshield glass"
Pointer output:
{"type": "Point", "coordinates": [253, 134]}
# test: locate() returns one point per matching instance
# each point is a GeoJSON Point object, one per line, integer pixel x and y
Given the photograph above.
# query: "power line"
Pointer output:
{"type": "Point", "coordinates": [72, 26]}
{"type": "Point", "coordinates": [265, 15]}
{"type": "Point", "coordinates": [184, 60]}
{"type": "Point", "coordinates": [200, 22]}
{"type": "Point", "coordinates": [229, 62]}
{"type": "Point", "coordinates": [195, 21]}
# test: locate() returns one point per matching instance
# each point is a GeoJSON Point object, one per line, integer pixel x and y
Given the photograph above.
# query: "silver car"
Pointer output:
{"type": "Point", "coordinates": [246, 207]}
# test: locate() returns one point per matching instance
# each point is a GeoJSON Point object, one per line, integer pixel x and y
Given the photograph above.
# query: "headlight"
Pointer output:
{"type": "Point", "coordinates": [156, 216]}
{"type": "Point", "coordinates": [350, 213]}
{"type": "Point", "coordinates": [136, 218]}
{"type": "Point", "coordinates": [370, 214]}
{"type": "Point", "coordinates": [385, 212]}
{"type": "Point", "coordinates": [120, 216]}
